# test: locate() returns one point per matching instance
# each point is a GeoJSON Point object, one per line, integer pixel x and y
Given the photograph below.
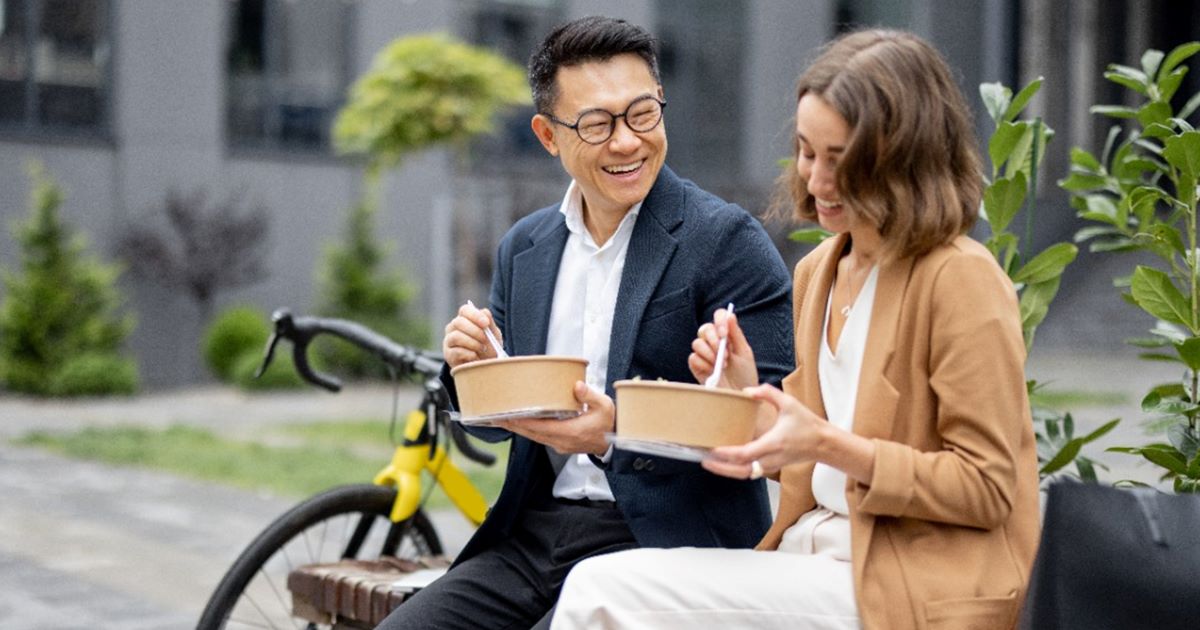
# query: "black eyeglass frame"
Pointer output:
{"type": "Point", "coordinates": [612, 119]}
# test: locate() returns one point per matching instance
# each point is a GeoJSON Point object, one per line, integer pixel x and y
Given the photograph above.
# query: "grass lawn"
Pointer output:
{"type": "Point", "coordinates": [1071, 399]}
{"type": "Point", "coordinates": [294, 460]}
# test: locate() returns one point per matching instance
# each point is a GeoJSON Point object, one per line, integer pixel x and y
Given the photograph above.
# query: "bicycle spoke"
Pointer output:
{"type": "Point", "coordinates": [279, 597]}
{"type": "Point", "coordinates": [266, 618]}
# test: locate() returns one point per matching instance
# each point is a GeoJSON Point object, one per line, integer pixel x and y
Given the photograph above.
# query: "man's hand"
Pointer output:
{"type": "Point", "coordinates": [739, 369]}
{"type": "Point", "coordinates": [465, 340]}
{"type": "Point", "coordinates": [582, 434]}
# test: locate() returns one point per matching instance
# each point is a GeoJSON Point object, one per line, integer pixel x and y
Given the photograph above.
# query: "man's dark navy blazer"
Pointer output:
{"type": "Point", "coordinates": [690, 253]}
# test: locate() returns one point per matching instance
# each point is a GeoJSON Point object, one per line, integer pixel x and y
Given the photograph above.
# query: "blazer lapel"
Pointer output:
{"type": "Point", "coordinates": [875, 408]}
{"type": "Point", "coordinates": [535, 272]}
{"type": "Point", "coordinates": [811, 324]}
{"type": "Point", "coordinates": [651, 247]}
{"type": "Point", "coordinates": [877, 398]}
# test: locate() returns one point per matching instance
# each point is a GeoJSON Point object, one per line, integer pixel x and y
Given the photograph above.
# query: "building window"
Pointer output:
{"type": "Point", "coordinates": [288, 64]}
{"type": "Point", "coordinates": [703, 48]}
{"type": "Point", "coordinates": [54, 65]}
{"type": "Point", "coordinates": [512, 29]}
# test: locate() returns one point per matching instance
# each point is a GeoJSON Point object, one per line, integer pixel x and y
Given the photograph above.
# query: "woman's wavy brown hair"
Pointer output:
{"type": "Point", "coordinates": [910, 166]}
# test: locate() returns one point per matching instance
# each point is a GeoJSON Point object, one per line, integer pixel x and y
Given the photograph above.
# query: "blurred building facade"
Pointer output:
{"type": "Point", "coordinates": [125, 101]}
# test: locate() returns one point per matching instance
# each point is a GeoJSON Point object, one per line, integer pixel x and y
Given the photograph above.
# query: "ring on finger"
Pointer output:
{"type": "Point", "coordinates": [756, 470]}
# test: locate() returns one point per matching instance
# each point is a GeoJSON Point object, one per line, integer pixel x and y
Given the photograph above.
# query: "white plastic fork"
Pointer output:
{"type": "Point", "coordinates": [500, 353]}
{"type": "Point", "coordinates": [715, 377]}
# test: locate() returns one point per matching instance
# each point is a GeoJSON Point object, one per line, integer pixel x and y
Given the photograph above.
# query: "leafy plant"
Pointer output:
{"type": "Point", "coordinates": [63, 304]}
{"type": "Point", "coordinates": [1141, 194]}
{"type": "Point", "coordinates": [205, 248]}
{"type": "Point", "coordinates": [95, 374]}
{"type": "Point", "coordinates": [236, 332]}
{"type": "Point", "coordinates": [421, 91]}
{"type": "Point", "coordinates": [1015, 150]}
{"type": "Point", "coordinates": [355, 286]}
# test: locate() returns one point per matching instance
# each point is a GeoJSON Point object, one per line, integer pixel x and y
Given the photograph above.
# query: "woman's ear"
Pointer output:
{"type": "Point", "coordinates": [544, 130]}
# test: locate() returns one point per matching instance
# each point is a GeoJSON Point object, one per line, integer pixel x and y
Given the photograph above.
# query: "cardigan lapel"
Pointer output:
{"type": "Point", "coordinates": [535, 272]}
{"type": "Point", "coordinates": [651, 247]}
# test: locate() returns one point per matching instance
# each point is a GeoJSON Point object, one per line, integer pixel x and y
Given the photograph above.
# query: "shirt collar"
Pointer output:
{"type": "Point", "coordinates": [572, 210]}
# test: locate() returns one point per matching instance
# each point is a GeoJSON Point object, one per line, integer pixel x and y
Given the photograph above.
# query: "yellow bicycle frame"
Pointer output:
{"type": "Point", "coordinates": [404, 474]}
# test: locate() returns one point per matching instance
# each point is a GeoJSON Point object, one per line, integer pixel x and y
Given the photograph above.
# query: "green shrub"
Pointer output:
{"type": "Point", "coordinates": [280, 375]}
{"type": "Point", "coordinates": [95, 374]}
{"type": "Point", "coordinates": [60, 304]}
{"type": "Point", "coordinates": [354, 286]}
{"type": "Point", "coordinates": [235, 333]}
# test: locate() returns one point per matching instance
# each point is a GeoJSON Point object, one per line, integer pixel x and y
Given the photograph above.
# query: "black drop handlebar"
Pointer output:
{"type": "Point", "coordinates": [301, 331]}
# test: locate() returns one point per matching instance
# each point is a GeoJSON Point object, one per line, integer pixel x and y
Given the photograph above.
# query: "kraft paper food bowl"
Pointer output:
{"type": "Point", "coordinates": [516, 386]}
{"type": "Point", "coordinates": [682, 413]}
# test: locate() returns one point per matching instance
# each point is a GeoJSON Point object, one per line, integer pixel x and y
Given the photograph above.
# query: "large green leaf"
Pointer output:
{"type": "Point", "coordinates": [1150, 61]}
{"type": "Point", "coordinates": [1048, 264]}
{"type": "Point", "coordinates": [1189, 351]}
{"type": "Point", "coordinates": [1127, 77]}
{"type": "Point", "coordinates": [1101, 431]}
{"type": "Point", "coordinates": [1102, 208]}
{"type": "Point", "coordinates": [996, 98]}
{"type": "Point", "coordinates": [1065, 456]}
{"type": "Point", "coordinates": [1177, 56]}
{"type": "Point", "coordinates": [1113, 111]}
{"type": "Point", "coordinates": [1183, 153]}
{"type": "Point", "coordinates": [1171, 459]}
{"type": "Point", "coordinates": [1169, 84]}
{"type": "Point", "coordinates": [1021, 99]}
{"type": "Point", "coordinates": [1156, 294]}
{"type": "Point", "coordinates": [1154, 113]}
{"type": "Point", "coordinates": [1085, 160]}
{"type": "Point", "coordinates": [1082, 182]}
{"type": "Point", "coordinates": [1185, 439]}
{"type": "Point", "coordinates": [810, 235]}
{"type": "Point", "coordinates": [1003, 199]}
{"type": "Point", "coordinates": [1035, 303]}
{"type": "Point", "coordinates": [1156, 241]}
{"type": "Point", "coordinates": [1019, 157]}
{"type": "Point", "coordinates": [1094, 231]}
{"type": "Point", "coordinates": [1004, 139]}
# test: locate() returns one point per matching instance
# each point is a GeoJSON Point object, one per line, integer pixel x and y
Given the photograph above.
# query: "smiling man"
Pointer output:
{"type": "Point", "coordinates": [621, 272]}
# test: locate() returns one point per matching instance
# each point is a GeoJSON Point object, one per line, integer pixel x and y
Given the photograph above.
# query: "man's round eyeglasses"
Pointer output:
{"type": "Point", "coordinates": [595, 126]}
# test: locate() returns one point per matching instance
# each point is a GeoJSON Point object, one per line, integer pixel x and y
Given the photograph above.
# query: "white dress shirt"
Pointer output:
{"type": "Point", "coordinates": [581, 319]}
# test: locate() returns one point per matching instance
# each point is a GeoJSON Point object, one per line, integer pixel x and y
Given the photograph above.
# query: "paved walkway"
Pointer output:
{"type": "Point", "coordinates": [86, 545]}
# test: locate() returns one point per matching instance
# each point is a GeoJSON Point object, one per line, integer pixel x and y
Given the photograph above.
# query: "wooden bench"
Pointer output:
{"type": "Point", "coordinates": [355, 594]}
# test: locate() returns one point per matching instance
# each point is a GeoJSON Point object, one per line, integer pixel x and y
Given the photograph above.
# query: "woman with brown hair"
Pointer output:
{"type": "Point", "coordinates": [903, 441]}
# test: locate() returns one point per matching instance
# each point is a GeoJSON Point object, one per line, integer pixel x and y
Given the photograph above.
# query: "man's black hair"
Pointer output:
{"type": "Point", "coordinates": [592, 38]}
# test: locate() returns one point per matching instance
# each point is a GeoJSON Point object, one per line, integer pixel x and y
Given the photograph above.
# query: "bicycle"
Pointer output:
{"type": "Point", "coordinates": [361, 521]}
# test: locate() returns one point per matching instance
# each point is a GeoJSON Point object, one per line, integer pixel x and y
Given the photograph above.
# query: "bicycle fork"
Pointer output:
{"type": "Point", "coordinates": [404, 474]}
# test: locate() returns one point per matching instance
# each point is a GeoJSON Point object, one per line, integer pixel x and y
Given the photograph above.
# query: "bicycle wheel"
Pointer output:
{"type": "Point", "coordinates": [344, 522]}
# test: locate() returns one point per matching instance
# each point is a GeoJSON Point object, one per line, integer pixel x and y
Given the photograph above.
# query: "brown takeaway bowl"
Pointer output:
{"type": "Point", "coordinates": [683, 413]}
{"type": "Point", "coordinates": [496, 386]}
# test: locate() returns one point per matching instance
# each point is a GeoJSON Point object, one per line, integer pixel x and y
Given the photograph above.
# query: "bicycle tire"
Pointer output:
{"type": "Point", "coordinates": [253, 593]}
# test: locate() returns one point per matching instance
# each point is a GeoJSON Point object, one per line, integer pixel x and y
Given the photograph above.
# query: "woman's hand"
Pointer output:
{"type": "Point", "coordinates": [798, 435]}
{"type": "Point", "coordinates": [465, 340]}
{"type": "Point", "coordinates": [739, 370]}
